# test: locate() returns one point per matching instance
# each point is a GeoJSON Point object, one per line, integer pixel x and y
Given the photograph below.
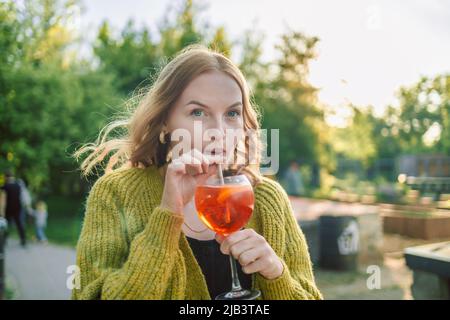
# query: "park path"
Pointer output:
{"type": "Point", "coordinates": [38, 271]}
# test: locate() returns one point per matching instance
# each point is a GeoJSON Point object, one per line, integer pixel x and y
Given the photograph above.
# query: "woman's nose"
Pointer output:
{"type": "Point", "coordinates": [218, 124]}
{"type": "Point", "coordinates": [216, 128]}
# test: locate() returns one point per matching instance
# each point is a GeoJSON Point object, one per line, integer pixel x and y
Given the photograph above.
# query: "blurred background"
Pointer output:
{"type": "Point", "coordinates": [358, 89]}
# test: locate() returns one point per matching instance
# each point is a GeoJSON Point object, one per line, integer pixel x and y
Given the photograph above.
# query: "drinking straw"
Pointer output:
{"type": "Point", "coordinates": [222, 182]}
{"type": "Point", "coordinates": [219, 167]}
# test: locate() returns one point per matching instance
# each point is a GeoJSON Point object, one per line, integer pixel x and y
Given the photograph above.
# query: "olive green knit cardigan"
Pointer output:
{"type": "Point", "coordinates": [130, 248]}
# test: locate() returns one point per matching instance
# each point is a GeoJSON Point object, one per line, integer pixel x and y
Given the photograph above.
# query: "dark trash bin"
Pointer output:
{"type": "Point", "coordinates": [310, 229]}
{"type": "Point", "coordinates": [339, 242]}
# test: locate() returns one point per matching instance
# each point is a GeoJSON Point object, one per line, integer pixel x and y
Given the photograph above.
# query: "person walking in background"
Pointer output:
{"type": "Point", "coordinates": [13, 205]}
{"type": "Point", "coordinates": [293, 180]}
{"type": "Point", "coordinates": [25, 200]}
{"type": "Point", "coordinates": [40, 220]}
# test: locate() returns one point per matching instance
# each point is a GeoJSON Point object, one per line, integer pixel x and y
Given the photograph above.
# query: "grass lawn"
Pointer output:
{"type": "Point", "coordinates": [64, 220]}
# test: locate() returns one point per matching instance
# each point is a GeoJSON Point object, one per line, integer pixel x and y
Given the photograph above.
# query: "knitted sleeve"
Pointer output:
{"type": "Point", "coordinates": [283, 233]}
{"type": "Point", "coordinates": [112, 268]}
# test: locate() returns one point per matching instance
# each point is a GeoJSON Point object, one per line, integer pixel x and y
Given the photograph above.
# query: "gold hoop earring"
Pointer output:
{"type": "Point", "coordinates": [162, 137]}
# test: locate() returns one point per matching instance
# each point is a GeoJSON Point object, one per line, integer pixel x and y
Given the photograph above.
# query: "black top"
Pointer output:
{"type": "Point", "coordinates": [216, 266]}
{"type": "Point", "coordinates": [12, 190]}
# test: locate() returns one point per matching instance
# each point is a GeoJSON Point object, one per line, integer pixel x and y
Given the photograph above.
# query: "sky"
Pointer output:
{"type": "Point", "coordinates": [367, 48]}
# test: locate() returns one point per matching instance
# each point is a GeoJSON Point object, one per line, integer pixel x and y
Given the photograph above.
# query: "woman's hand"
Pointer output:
{"type": "Point", "coordinates": [253, 253]}
{"type": "Point", "coordinates": [182, 176]}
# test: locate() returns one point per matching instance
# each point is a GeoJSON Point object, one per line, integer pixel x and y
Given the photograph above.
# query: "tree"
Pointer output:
{"type": "Point", "coordinates": [357, 140]}
{"type": "Point", "coordinates": [181, 31]}
{"type": "Point", "coordinates": [132, 57]}
{"type": "Point", "coordinates": [46, 104]}
{"type": "Point", "coordinates": [421, 122]}
{"type": "Point", "coordinates": [290, 104]}
{"type": "Point", "coordinates": [254, 69]}
{"type": "Point", "coordinates": [220, 42]}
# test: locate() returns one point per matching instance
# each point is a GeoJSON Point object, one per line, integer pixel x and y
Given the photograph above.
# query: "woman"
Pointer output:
{"type": "Point", "coordinates": [142, 238]}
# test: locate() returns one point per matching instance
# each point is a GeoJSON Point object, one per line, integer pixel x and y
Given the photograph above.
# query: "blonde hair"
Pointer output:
{"type": "Point", "coordinates": [41, 206]}
{"type": "Point", "coordinates": [140, 145]}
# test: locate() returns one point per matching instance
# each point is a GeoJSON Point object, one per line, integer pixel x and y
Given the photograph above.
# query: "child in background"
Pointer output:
{"type": "Point", "coordinates": [40, 220]}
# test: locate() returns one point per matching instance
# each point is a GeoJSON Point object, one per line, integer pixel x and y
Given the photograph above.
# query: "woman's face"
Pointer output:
{"type": "Point", "coordinates": [209, 110]}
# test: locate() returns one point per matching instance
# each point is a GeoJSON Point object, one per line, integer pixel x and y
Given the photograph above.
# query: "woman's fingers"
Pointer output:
{"type": "Point", "coordinates": [177, 166]}
{"type": "Point", "coordinates": [202, 158]}
{"type": "Point", "coordinates": [249, 248]}
{"type": "Point", "coordinates": [192, 163]}
{"type": "Point", "coordinates": [196, 164]}
{"type": "Point", "coordinates": [214, 159]}
{"type": "Point", "coordinates": [255, 266]}
{"type": "Point", "coordinates": [238, 249]}
{"type": "Point", "coordinates": [208, 161]}
{"type": "Point", "coordinates": [249, 256]}
{"type": "Point", "coordinates": [235, 238]}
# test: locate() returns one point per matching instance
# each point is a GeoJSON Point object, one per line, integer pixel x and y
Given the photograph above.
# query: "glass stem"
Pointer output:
{"type": "Point", "coordinates": [236, 284]}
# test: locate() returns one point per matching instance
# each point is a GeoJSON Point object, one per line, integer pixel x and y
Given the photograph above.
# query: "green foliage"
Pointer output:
{"type": "Point", "coordinates": [420, 124]}
{"type": "Point", "coordinates": [131, 58]}
{"type": "Point", "coordinates": [46, 104]}
{"type": "Point", "coordinates": [221, 43]}
{"type": "Point", "coordinates": [289, 101]}
{"type": "Point", "coordinates": [65, 219]}
{"type": "Point", "coordinates": [423, 105]}
{"type": "Point", "coordinates": [357, 141]}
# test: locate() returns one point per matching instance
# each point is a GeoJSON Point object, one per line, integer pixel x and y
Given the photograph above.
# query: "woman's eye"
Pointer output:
{"type": "Point", "coordinates": [233, 114]}
{"type": "Point", "coordinates": [197, 112]}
